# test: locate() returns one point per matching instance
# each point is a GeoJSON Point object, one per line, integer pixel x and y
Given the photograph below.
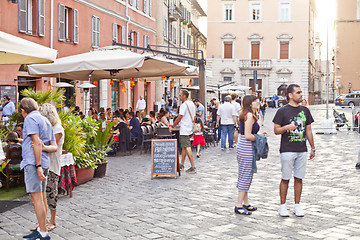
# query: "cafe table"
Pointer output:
{"type": "Point", "coordinates": [67, 174]}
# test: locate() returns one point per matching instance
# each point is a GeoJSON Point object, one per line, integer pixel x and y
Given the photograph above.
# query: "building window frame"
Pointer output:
{"type": "Point", "coordinates": [284, 4]}
{"type": "Point", "coordinates": [228, 42]}
{"type": "Point", "coordinates": [284, 37]}
{"type": "Point", "coordinates": [228, 11]}
{"type": "Point", "coordinates": [358, 9]}
{"type": "Point", "coordinates": [255, 6]}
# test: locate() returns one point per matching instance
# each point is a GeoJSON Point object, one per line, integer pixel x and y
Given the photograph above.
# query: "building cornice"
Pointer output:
{"type": "Point", "coordinates": [117, 15]}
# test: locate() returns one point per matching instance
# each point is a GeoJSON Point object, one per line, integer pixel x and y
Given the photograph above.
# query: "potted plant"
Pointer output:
{"type": "Point", "coordinates": [102, 142]}
{"type": "Point", "coordinates": [76, 136]}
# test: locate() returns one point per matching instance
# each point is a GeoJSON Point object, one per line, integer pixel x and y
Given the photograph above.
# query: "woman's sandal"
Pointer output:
{"type": "Point", "coordinates": [250, 208]}
{"type": "Point", "coordinates": [242, 211]}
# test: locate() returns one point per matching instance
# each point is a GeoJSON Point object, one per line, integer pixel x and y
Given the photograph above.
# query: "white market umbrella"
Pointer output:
{"type": "Point", "coordinates": [62, 84]}
{"type": "Point", "coordinates": [100, 64]}
{"type": "Point", "coordinates": [15, 50]}
{"type": "Point", "coordinates": [112, 64]}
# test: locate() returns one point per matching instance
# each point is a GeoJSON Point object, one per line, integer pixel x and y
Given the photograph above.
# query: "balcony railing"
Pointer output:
{"type": "Point", "coordinates": [255, 64]}
{"type": "Point", "coordinates": [174, 14]}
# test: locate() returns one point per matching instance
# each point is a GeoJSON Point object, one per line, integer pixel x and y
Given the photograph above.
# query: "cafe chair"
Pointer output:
{"type": "Point", "coordinates": [146, 139]}
{"type": "Point", "coordinates": [12, 169]}
{"type": "Point", "coordinates": [209, 134]}
{"type": "Point", "coordinates": [164, 133]}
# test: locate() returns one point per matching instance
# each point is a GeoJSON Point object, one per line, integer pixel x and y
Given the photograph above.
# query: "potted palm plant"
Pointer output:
{"type": "Point", "coordinates": [102, 143]}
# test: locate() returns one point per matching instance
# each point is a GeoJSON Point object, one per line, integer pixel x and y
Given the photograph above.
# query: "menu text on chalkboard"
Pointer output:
{"type": "Point", "coordinates": [164, 157]}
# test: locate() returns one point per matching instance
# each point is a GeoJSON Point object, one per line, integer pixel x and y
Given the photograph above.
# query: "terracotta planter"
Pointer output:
{"type": "Point", "coordinates": [84, 175]}
{"type": "Point", "coordinates": [100, 171]}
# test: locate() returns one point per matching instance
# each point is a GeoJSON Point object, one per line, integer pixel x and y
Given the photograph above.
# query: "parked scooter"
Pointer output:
{"type": "Point", "coordinates": [340, 120]}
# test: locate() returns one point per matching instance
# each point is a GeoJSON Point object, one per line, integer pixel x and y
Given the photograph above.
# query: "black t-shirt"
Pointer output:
{"type": "Point", "coordinates": [293, 141]}
{"type": "Point", "coordinates": [213, 114]}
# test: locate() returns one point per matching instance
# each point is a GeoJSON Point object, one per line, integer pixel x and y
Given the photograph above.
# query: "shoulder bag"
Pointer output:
{"type": "Point", "coordinates": [195, 127]}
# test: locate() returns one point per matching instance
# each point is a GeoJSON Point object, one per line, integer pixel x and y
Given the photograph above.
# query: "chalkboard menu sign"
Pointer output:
{"type": "Point", "coordinates": [9, 90]}
{"type": "Point", "coordinates": [164, 157]}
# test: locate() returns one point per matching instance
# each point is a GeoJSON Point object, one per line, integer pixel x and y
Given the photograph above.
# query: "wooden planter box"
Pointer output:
{"type": "Point", "coordinates": [84, 175]}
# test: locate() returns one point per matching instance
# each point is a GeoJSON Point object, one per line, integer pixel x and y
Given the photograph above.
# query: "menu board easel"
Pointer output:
{"type": "Point", "coordinates": [164, 158]}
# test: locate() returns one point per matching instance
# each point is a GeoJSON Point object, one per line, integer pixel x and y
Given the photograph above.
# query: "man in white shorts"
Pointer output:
{"type": "Point", "coordinates": [293, 122]}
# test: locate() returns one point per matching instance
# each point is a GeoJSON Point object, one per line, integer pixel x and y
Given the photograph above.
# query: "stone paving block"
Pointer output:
{"type": "Point", "coordinates": [126, 204]}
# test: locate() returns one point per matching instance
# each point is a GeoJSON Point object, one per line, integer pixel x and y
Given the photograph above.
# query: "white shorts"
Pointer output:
{"type": "Point", "coordinates": [293, 161]}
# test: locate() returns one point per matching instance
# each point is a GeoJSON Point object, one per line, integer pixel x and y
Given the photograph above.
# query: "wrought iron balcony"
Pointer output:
{"type": "Point", "coordinates": [255, 64]}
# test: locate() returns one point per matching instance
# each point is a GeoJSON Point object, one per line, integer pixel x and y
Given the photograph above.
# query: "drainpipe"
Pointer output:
{"type": "Point", "coordinates": [127, 42]}
{"type": "Point", "coordinates": [51, 30]}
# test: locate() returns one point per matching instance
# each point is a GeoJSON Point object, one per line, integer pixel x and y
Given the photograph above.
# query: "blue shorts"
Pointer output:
{"type": "Point", "coordinates": [293, 161]}
{"type": "Point", "coordinates": [32, 181]}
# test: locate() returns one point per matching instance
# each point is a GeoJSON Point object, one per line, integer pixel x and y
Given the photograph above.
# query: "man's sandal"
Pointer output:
{"type": "Point", "coordinates": [242, 211]}
{"type": "Point", "coordinates": [250, 208]}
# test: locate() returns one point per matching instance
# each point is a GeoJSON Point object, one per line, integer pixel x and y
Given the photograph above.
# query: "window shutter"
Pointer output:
{"type": "Point", "coordinates": [42, 18]}
{"type": "Point", "coordinates": [137, 41]}
{"type": "Point", "coordinates": [255, 50]}
{"type": "Point", "coordinates": [228, 50]}
{"type": "Point", "coordinates": [61, 30]}
{"type": "Point", "coordinates": [284, 50]}
{"type": "Point", "coordinates": [22, 16]}
{"type": "Point", "coordinates": [123, 34]}
{"type": "Point", "coordinates": [93, 34]}
{"type": "Point", "coordinates": [149, 8]}
{"type": "Point", "coordinates": [115, 32]}
{"type": "Point", "coordinates": [98, 31]}
{"type": "Point", "coordinates": [76, 26]}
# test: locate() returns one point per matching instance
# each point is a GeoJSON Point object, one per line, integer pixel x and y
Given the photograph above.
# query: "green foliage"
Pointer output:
{"type": "Point", "coordinates": [75, 138]}
{"type": "Point", "coordinates": [14, 119]}
{"type": "Point", "coordinates": [103, 140]}
{"type": "Point", "coordinates": [51, 95]}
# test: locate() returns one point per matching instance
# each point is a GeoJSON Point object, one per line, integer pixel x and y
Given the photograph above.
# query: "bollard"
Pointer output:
{"type": "Point", "coordinates": [358, 163]}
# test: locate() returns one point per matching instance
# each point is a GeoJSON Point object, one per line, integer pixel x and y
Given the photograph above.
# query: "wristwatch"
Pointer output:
{"type": "Point", "coordinates": [37, 166]}
{"type": "Point", "coordinates": [313, 149]}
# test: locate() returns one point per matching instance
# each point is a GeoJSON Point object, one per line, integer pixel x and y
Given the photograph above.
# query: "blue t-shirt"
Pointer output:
{"type": "Point", "coordinates": [134, 122]}
{"type": "Point", "coordinates": [35, 123]}
{"type": "Point", "coordinates": [201, 108]}
{"type": "Point", "coordinates": [8, 109]}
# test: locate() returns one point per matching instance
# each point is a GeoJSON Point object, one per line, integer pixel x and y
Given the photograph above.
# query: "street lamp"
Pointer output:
{"type": "Point", "coordinates": [349, 86]}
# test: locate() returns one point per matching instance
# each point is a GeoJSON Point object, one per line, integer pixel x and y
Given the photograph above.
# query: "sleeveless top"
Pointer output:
{"type": "Point", "coordinates": [255, 128]}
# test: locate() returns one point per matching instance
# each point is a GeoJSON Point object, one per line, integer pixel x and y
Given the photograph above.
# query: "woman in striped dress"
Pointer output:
{"type": "Point", "coordinates": [244, 152]}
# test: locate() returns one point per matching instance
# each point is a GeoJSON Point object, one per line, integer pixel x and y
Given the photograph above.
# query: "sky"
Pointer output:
{"type": "Point", "coordinates": [326, 10]}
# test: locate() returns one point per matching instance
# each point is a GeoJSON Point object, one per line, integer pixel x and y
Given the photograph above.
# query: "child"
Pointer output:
{"type": "Point", "coordinates": [199, 139]}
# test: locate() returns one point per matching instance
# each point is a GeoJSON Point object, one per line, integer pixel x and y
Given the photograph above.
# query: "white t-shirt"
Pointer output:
{"type": "Point", "coordinates": [237, 107]}
{"type": "Point", "coordinates": [186, 121]}
{"type": "Point", "coordinates": [226, 112]}
{"type": "Point", "coordinates": [55, 157]}
{"type": "Point", "coordinates": [2, 155]}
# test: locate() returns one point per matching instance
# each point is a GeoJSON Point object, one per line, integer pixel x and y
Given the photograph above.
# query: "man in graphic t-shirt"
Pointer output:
{"type": "Point", "coordinates": [293, 122]}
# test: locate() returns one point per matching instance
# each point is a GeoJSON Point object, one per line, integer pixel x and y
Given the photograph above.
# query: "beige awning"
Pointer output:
{"type": "Point", "coordinates": [15, 50]}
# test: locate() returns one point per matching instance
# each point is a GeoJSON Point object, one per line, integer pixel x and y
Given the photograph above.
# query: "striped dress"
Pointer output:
{"type": "Point", "coordinates": [244, 155]}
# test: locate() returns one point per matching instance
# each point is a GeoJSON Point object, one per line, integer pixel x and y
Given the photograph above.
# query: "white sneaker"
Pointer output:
{"type": "Point", "coordinates": [283, 211]}
{"type": "Point", "coordinates": [298, 211]}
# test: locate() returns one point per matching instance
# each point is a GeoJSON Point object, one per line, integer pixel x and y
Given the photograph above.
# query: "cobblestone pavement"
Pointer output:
{"type": "Point", "coordinates": [127, 204]}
